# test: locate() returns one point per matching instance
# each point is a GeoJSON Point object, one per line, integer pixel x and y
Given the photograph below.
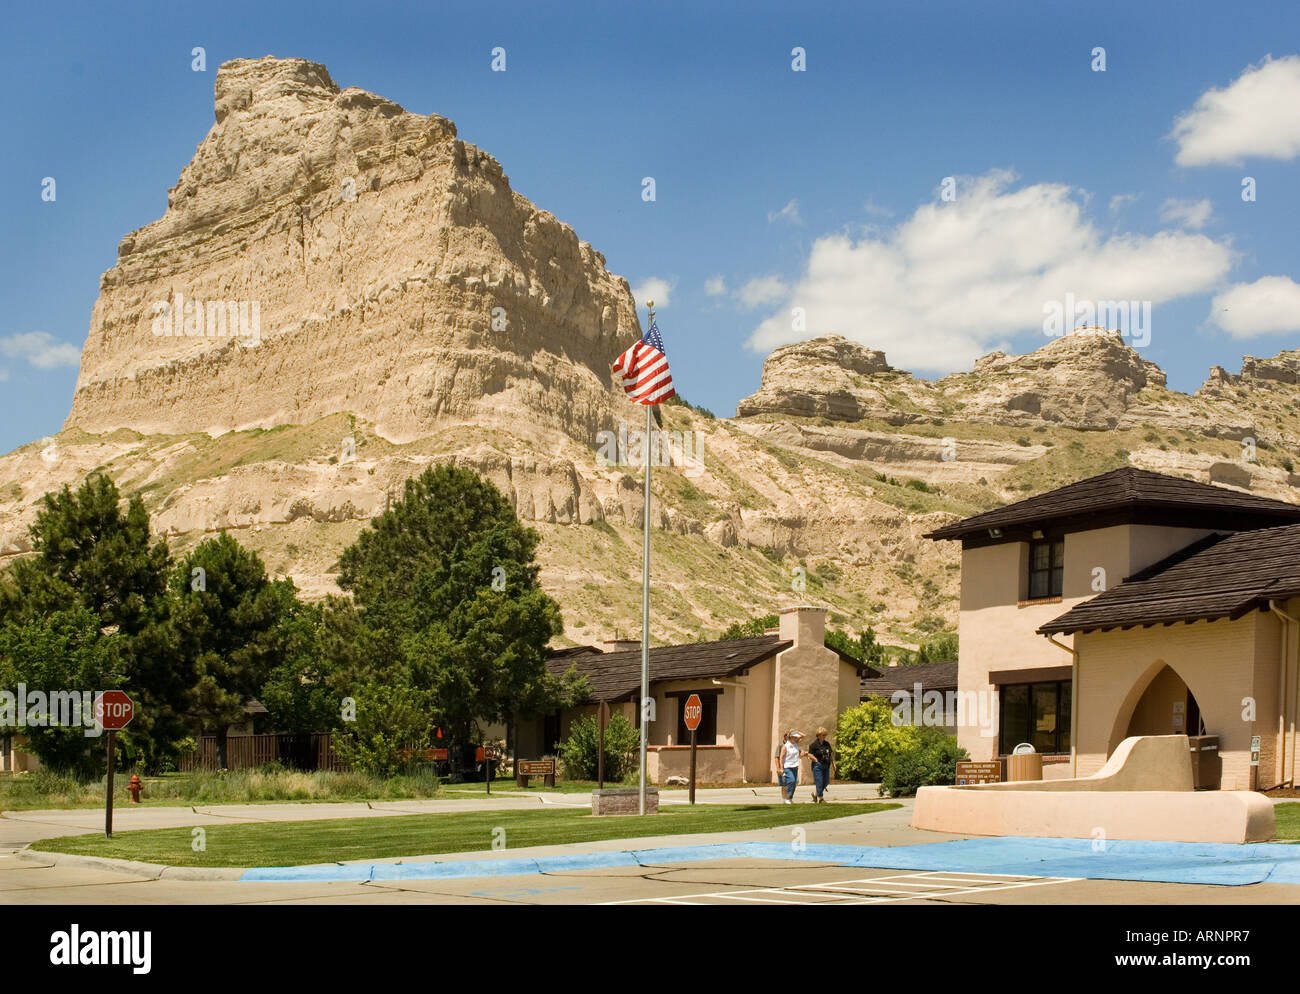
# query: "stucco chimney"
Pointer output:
{"type": "Point", "coordinates": [804, 625]}
{"type": "Point", "coordinates": [621, 645]}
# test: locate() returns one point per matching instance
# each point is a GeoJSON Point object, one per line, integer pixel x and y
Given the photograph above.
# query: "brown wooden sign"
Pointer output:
{"type": "Point", "coordinates": [525, 768]}
{"type": "Point", "coordinates": [979, 773]}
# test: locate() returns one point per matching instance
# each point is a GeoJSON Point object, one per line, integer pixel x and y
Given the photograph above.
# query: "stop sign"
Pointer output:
{"type": "Point", "coordinates": [113, 710]}
{"type": "Point", "coordinates": [692, 712]}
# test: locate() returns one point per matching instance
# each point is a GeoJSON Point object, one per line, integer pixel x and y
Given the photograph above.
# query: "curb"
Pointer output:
{"type": "Point", "coordinates": [130, 867]}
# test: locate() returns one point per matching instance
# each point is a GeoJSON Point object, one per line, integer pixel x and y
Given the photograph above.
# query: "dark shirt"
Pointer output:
{"type": "Point", "coordinates": [821, 751]}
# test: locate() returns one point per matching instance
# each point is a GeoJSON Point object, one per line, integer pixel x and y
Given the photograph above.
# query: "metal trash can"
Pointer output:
{"type": "Point", "coordinates": [1024, 763]}
{"type": "Point", "coordinates": [1207, 766]}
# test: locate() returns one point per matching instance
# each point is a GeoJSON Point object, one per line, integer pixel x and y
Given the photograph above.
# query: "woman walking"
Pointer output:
{"type": "Point", "coordinates": [788, 758]}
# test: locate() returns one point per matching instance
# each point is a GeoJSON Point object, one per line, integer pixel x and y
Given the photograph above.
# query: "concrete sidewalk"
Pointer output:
{"type": "Point", "coordinates": [21, 828]}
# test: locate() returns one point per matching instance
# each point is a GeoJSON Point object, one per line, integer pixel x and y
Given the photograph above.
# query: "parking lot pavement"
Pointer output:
{"type": "Point", "coordinates": [738, 883]}
{"type": "Point", "coordinates": [727, 882]}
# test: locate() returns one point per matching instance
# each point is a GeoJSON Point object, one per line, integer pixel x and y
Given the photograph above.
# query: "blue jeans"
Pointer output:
{"type": "Point", "coordinates": [821, 777]}
{"type": "Point", "coordinates": [789, 777]}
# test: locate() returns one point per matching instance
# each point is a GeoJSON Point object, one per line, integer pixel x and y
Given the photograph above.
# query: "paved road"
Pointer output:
{"type": "Point", "coordinates": [735, 882]}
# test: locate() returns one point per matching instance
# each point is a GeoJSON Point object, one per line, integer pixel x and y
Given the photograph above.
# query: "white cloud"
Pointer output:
{"type": "Point", "coordinates": [1122, 200]}
{"type": "Point", "coordinates": [41, 350]}
{"type": "Point", "coordinates": [955, 279]}
{"type": "Point", "coordinates": [762, 290]}
{"type": "Point", "coordinates": [715, 286]}
{"type": "Point", "coordinates": [1186, 213]}
{"type": "Point", "coordinates": [790, 212]}
{"type": "Point", "coordinates": [1258, 114]}
{"type": "Point", "coordinates": [4, 375]}
{"type": "Point", "coordinates": [1269, 305]}
{"type": "Point", "coordinates": [654, 288]}
{"type": "Point", "coordinates": [875, 210]}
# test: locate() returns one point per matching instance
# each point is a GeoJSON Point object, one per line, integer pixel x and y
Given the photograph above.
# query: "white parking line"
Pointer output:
{"type": "Point", "coordinates": [867, 890]}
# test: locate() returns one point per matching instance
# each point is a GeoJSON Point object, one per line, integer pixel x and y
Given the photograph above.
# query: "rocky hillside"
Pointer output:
{"type": "Point", "coordinates": [413, 308]}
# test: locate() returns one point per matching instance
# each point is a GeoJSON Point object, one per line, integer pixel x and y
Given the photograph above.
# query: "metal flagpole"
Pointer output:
{"type": "Point", "coordinates": [645, 582]}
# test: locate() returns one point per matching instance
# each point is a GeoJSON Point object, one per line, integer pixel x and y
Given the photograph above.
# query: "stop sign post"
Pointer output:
{"type": "Point", "coordinates": [692, 712]}
{"type": "Point", "coordinates": [113, 711]}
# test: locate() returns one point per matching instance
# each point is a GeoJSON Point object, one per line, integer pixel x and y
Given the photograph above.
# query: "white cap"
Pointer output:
{"type": "Point", "coordinates": [796, 735]}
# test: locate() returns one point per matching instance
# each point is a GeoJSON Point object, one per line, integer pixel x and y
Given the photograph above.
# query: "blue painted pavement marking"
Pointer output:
{"type": "Point", "coordinates": [1156, 862]}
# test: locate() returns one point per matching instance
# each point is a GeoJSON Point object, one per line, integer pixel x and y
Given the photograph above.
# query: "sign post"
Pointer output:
{"type": "Point", "coordinates": [692, 712]}
{"type": "Point", "coordinates": [603, 720]}
{"type": "Point", "coordinates": [113, 711]}
{"type": "Point", "coordinates": [489, 754]}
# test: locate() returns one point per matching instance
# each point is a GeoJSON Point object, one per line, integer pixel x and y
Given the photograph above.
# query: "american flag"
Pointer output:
{"type": "Point", "coordinates": [644, 369]}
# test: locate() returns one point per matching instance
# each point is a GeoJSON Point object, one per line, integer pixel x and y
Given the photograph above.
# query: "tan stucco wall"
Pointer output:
{"type": "Point", "coordinates": [1268, 666]}
{"type": "Point", "coordinates": [1217, 661]}
{"type": "Point", "coordinates": [997, 632]}
{"type": "Point", "coordinates": [19, 761]}
{"type": "Point", "coordinates": [808, 679]}
{"type": "Point", "coordinates": [757, 745]}
{"type": "Point", "coordinates": [713, 764]}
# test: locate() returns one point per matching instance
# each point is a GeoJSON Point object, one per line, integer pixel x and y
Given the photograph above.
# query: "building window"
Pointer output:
{"type": "Point", "coordinates": [1046, 568]}
{"type": "Point", "coordinates": [1037, 713]}
{"type": "Point", "coordinates": [707, 733]}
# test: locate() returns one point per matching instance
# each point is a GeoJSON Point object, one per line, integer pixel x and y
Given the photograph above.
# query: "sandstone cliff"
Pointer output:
{"type": "Point", "coordinates": [393, 272]}
{"type": "Point", "coordinates": [413, 308]}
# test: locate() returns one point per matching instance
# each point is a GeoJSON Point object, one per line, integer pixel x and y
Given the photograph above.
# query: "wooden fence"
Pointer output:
{"type": "Point", "coordinates": [243, 752]}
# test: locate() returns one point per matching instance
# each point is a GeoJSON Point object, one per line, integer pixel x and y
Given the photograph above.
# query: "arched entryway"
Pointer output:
{"type": "Point", "coordinates": [1166, 707]}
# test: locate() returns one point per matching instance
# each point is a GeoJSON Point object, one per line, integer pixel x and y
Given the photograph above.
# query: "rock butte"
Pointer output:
{"type": "Point", "coordinates": [410, 301]}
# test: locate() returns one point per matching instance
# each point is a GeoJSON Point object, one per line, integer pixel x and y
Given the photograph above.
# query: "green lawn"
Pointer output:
{"type": "Point", "coordinates": [299, 843]}
{"type": "Point", "coordinates": [1288, 822]}
{"type": "Point", "coordinates": [44, 789]}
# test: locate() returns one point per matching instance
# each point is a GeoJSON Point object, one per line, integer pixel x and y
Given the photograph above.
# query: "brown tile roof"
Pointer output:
{"type": "Point", "coordinates": [575, 650]}
{"type": "Point", "coordinates": [1126, 488]}
{"type": "Point", "coordinates": [614, 675]}
{"type": "Point", "coordinates": [1220, 576]}
{"type": "Point", "coordinates": [931, 676]}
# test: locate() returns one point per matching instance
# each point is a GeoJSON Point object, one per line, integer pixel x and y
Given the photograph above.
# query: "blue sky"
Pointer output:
{"type": "Point", "coordinates": [775, 189]}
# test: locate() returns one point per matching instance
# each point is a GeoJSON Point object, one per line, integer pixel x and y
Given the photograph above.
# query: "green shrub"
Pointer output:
{"type": "Point", "coordinates": [389, 721]}
{"type": "Point", "coordinates": [931, 760]}
{"type": "Point", "coordinates": [867, 740]}
{"type": "Point", "coordinates": [580, 751]}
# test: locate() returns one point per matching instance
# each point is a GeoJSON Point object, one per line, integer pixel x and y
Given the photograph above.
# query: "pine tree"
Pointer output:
{"type": "Point", "coordinates": [228, 625]}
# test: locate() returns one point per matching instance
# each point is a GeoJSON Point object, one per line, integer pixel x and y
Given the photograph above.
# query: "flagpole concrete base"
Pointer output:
{"type": "Point", "coordinates": [624, 801]}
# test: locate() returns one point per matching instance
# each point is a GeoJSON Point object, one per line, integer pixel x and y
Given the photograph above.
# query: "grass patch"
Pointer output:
{"type": "Point", "coordinates": [43, 789]}
{"type": "Point", "coordinates": [300, 843]}
{"type": "Point", "coordinates": [1287, 821]}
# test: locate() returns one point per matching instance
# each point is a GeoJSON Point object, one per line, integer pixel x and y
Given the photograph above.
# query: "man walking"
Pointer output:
{"type": "Point", "coordinates": [788, 758]}
{"type": "Point", "coordinates": [821, 754]}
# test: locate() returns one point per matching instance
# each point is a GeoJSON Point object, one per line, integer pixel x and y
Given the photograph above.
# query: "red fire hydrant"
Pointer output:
{"type": "Point", "coordinates": [135, 787]}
